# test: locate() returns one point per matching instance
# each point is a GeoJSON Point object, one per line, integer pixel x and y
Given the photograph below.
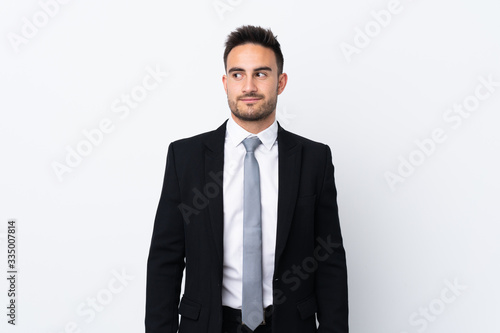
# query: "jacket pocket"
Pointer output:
{"type": "Point", "coordinates": [189, 309]}
{"type": "Point", "coordinates": [307, 307]}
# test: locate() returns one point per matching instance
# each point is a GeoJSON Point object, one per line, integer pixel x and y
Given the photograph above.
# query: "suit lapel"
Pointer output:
{"type": "Point", "coordinates": [214, 168]}
{"type": "Point", "coordinates": [289, 163]}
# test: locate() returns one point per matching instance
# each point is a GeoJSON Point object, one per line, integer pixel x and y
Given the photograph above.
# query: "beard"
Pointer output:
{"type": "Point", "coordinates": [253, 113]}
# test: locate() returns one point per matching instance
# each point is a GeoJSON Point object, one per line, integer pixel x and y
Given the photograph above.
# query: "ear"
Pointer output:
{"type": "Point", "coordinates": [224, 82]}
{"type": "Point", "coordinates": [282, 80]}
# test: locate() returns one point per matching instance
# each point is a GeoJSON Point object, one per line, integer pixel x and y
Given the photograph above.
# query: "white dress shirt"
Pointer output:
{"type": "Point", "coordinates": [234, 156]}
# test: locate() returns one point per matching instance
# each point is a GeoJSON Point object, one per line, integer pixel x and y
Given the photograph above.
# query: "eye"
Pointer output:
{"type": "Point", "coordinates": [261, 75]}
{"type": "Point", "coordinates": [237, 76]}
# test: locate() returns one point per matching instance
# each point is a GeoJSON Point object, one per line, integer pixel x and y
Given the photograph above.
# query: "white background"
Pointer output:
{"type": "Point", "coordinates": [406, 243]}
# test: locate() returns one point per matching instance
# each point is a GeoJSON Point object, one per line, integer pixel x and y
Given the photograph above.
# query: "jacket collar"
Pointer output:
{"type": "Point", "coordinates": [289, 165]}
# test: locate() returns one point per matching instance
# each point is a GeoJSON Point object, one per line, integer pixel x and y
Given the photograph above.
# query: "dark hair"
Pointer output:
{"type": "Point", "coordinates": [249, 34]}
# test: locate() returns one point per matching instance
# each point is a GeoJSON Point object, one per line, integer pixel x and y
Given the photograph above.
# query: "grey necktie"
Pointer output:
{"type": "Point", "coordinates": [252, 307]}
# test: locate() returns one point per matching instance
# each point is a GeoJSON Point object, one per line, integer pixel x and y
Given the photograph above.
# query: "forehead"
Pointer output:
{"type": "Point", "coordinates": [251, 55]}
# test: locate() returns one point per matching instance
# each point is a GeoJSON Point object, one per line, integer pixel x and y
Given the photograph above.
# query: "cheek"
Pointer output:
{"type": "Point", "coordinates": [233, 90]}
{"type": "Point", "coordinates": [229, 87]}
{"type": "Point", "coordinates": [231, 94]}
{"type": "Point", "coordinates": [271, 90]}
{"type": "Point", "coordinates": [269, 86]}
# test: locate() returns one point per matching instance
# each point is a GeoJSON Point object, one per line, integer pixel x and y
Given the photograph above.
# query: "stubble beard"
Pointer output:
{"type": "Point", "coordinates": [253, 113]}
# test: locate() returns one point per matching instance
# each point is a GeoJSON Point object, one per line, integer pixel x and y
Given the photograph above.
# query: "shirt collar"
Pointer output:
{"type": "Point", "coordinates": [237, 134]}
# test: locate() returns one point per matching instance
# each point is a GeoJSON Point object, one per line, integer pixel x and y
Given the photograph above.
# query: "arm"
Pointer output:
{"type": "Point", "coordinates": [166, 257]}
{"type": "Point", "coordinates": [331, 276]}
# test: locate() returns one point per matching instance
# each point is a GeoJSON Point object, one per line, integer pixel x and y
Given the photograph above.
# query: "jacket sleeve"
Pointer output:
{"type": "Point", "coordinates": [166, 256]}
{"type": "Point", "coordinates": [331, 276]}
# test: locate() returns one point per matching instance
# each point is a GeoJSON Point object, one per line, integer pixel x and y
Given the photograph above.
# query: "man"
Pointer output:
{"type": "Point", "coordinates": [249, 210]}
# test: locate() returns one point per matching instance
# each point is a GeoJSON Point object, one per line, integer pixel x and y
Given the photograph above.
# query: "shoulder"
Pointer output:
{"type": "Point", "coordinates": [206, 138]}
{"type": "Point", "coordinates": [194, 145]}
{"type": "Point", "coordinates": [193, 140]}
{"type": "Point", "coordinates": [292, 139]}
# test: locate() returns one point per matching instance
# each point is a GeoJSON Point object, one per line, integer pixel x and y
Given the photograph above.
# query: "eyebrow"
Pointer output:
{"type": "Point", "coordinates": [258, 69]}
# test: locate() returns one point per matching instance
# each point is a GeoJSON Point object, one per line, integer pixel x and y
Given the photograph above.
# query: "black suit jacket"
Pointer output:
{"type": "Point", "coordinates": [310, 269]}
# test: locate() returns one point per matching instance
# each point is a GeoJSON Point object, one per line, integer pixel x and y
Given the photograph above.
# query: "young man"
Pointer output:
{"type": "Point", "coordinates": [249, 210]}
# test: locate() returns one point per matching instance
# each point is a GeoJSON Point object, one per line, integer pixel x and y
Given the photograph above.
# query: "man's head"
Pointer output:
{"type": "Point", "coordinates": [254, 77]}
{"type": "Point", "coordinates": [249, 34]}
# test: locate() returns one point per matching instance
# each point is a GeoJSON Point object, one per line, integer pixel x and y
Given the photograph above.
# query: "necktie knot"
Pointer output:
{"type": "Point", "coordinates": [251, 143]}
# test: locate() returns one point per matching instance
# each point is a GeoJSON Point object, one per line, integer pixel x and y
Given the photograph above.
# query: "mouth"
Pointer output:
{"type": "Point", "coordinates": [250, 100]}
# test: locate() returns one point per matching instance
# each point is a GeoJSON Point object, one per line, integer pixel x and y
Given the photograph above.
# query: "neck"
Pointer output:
{"type": "Point", "coordinates": [255, 127]}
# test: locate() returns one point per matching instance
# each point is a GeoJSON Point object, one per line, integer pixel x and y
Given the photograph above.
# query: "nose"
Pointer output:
{"type": "Point", "coordinates": [249, 85]}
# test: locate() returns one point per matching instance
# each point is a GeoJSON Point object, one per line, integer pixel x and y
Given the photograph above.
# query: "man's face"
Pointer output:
{"type": "Point", "coordinates": [252, 84]}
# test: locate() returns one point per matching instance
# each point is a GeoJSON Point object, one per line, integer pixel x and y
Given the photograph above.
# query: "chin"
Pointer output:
{"type": "Point", "coordinates": [253, 116]}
